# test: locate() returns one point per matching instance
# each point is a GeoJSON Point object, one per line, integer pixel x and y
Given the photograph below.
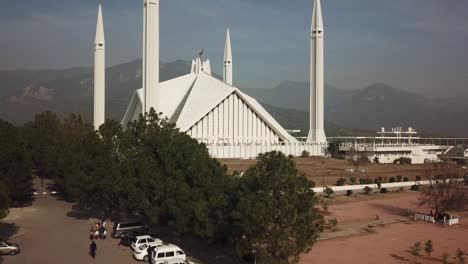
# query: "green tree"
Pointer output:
{"type": "Point", "coordinates": [4, 200]}
{"type": "Point", "coordinates": [15, 170]}
{"type": "Point", "coordinates": [428, 247]}
{"type": "Point", "coordinates": [328, 191]}
{"type": "Point", "coordinates": [276, 213]}
{"type": "Point", "coordinates": [415, 250]}
{"type": "Point", "coordinates": [43, 137]}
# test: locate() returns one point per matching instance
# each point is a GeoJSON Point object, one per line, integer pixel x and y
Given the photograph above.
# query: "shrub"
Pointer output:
{"type": "Point", "coordinates": [341, 181]}
{"type": "Point", "coordinates": [415, 187]}
{"type": "Point", "coordinates": [399, 178]}
{"type": "Point", "coordinates": [392, 179]}
{"type": "Point", "coordinates": [333, 222]}
{"type": "Point", "coordinates": [361, 181]}
{"type": "Point", "coordinates": [405, 179]}
{"type": "Point", "coordinates": [329, 191]}
{"type": "Point", "coordinates": [428, 247]}
{"type": "Point", "coordinates": [353, 180]}
{"type": "Point", "coordinates": [349, 192]}
{"type": "Point", "coordinates": [368, 181]}
{"type": "Point", "coordinates": [383, 190]}
{"type": "Point", "coordinates": [305, 154]}
{"type": "Point", "coordinates": [418, 178]}
{"type": "Point", "coordinates": [367, 189]}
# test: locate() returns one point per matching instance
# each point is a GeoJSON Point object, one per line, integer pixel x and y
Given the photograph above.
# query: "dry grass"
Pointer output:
{"type": "Point", "coordinates": [329, 170]}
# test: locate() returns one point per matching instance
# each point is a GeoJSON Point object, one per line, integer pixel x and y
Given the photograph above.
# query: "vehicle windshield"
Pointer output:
{"type": "Point", "coordinates": [143, 247]}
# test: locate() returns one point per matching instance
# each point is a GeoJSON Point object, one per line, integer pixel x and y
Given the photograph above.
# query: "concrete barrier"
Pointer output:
{"type": "Point", "coordinates": [360, 187]}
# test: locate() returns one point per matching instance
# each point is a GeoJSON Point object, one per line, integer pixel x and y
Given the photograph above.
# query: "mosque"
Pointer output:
{"type": "Point", "coordinates": [215, 112]}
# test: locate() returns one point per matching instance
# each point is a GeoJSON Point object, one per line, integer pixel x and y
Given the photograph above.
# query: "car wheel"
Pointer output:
{"type": "Point", "coordinates": [14, 252]}
{"type": "Point", "coordinates": [145, 258]}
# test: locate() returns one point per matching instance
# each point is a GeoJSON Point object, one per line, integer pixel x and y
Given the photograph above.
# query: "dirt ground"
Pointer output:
{"type": "Point", "coordinates": [361, 238]}
{"type": "Point", "coordinates": [330, 170]}
{"type": "Point", "coordinates": [50, 232]}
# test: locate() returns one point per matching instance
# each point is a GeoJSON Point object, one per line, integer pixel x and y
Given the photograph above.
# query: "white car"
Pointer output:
{"type": "Point", "coordinates": [167, 253]}
{"type": "Point", "coordinates": [144, 240]}
{"type": "Point", "coordinates": [141, 253]}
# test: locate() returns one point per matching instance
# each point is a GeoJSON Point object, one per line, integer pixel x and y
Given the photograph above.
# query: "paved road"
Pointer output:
{"type": "Point", "coordinates": [47, 236]}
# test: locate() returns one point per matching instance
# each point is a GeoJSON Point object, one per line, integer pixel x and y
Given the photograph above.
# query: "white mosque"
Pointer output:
{"type": "Point", "coordinates": [231, 123]}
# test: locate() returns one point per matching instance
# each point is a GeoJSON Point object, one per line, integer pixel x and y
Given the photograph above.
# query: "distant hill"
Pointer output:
{"type": "Point", "coordinates": [376, 106]}
{"type": "Point", "coordinates": [26, 92]}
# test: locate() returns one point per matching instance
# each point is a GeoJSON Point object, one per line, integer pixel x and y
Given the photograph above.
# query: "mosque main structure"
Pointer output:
{"type": "Point", "coordinates": [231, 123]}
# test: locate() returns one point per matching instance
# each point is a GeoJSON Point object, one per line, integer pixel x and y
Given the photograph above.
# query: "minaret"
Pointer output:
{"type": "Point", "coordinates": [316, 132]}
{"type": "Point", "coordinates": [151, 54]}
{"type": "Point", "coordinates": [227, 72]}
{"type": "Point", "coordinates": [99, 73]}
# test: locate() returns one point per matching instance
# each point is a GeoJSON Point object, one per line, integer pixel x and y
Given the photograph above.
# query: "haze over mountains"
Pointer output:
{"type": "Point", "coordinates": [26, 92]}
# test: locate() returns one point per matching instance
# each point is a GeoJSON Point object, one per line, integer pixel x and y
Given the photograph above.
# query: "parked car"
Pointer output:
{"type": "Point", "coordinates": [166, 253]}
{"type": "Point", "coordinates": [145, 240]}
{"type": "Point", "coordinates": [144, 252]}
{"type": "Point", "coordinates": [119, 229]}
{"type": "Point", "coordinates": [127, 238]}
{"type": "Point", "coordinates": [7, 248]}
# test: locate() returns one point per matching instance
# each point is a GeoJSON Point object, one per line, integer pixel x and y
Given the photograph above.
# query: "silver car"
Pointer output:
{"type": "Point", "coordinates": [7, 248]}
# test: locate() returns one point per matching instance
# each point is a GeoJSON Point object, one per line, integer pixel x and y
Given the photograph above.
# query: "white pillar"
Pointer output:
{"type": "Point", "coordinates": [317, 132]}
{"type": "Point", "coordinates": [151, 54]}
{"type": "Point", "coordinates": [99, 73]}
{"type": "Point", "coordinates": [227, 72]}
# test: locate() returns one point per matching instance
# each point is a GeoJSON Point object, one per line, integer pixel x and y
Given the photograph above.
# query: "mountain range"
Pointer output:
{"type": "Point", "coordinates": [348, 112]}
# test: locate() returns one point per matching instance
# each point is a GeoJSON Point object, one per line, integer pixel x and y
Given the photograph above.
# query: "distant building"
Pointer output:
{"type": "Point", "coordinates": [397, 143]}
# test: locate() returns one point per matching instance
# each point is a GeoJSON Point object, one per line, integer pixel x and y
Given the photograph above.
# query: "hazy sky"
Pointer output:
{"type": "Point", "coordinates": [419, 45]}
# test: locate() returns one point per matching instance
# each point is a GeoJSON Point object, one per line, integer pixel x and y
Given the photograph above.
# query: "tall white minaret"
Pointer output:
{"type": "Point", "coordinates": [227, 72]}
{"type": "Point", "coordinates": [316, 132]}
{"type": "Point", "coordinates": [151, 54]}
{"type": "Point", "coordinates": [99, 73]}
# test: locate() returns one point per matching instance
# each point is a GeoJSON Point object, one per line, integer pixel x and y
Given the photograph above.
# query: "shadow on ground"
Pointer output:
{"type": "Point", "coordinates": [200, 250]}
{"type": "Point", "coordinates": [394, 210]}
{"type": "Point", "coordinates": [7, 230]}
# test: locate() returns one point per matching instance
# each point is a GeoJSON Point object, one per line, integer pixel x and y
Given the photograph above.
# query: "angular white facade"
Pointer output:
{"type": "Point", "coordinates": [316, 131]}
{"type": "Point", "coordinates": [212, 111]}
{"type": "Point", "coordinates": [99, 73]}
{"type": "Point", "coordinates": [150, 66]}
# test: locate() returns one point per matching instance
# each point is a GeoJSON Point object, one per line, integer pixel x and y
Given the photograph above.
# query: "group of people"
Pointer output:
{"type": "Point", "coordinates": [441, 217]}
{"type": "Point", "coordinates": [97, 231]}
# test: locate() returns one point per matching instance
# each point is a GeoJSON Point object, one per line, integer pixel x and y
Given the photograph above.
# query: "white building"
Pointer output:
{"type": "Point", "coordinates": [231, 123]}
{"type": "Point", "coordinates": [394, 144]}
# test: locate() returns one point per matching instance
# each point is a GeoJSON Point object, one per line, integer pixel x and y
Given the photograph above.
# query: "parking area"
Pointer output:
{"type": "Point", "coordinates": [50, 231]}
{"type": "Point", "coordinates": [46, 234]}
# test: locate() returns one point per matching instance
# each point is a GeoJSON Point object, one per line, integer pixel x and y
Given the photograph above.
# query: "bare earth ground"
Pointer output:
{"type": "Point", "coordinates": [386, 240]}
{"type": "Point", "coordinates": [330, 170]}
{"type": "Point", "coordinates": [50, 232]}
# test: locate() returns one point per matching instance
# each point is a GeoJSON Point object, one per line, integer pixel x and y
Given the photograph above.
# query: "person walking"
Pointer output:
{"type": "Point", "coordinates": [93, 249]}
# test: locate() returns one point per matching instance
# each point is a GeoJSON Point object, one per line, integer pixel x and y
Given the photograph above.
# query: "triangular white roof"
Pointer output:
{"type": "Point", "coordinates": [187, 99]}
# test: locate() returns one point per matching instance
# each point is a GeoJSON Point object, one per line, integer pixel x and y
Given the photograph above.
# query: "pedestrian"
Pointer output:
{"type": "Point", "coordinates": [104, 234]}
{"type": "Point", "coordinates": [91, 233]}
{"type": "Point", "coordinates": [96, 234]}
{"type": "Point", "coordinates": [101, 231]}
{"type": "Point", "coordinates": [93, 249]}
{"type": "Point", "coordinates": [104, 223]}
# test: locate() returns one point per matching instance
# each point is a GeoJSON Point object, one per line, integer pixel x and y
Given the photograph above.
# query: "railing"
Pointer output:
{"type": "Point", "coordinates": [425, 218]}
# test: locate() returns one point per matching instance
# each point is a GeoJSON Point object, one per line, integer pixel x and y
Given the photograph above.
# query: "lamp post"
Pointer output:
{"type": "Point", "coordinates": [254, 252]}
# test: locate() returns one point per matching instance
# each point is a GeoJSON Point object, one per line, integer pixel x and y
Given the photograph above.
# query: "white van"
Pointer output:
{"type": "Point", "coordinates": [167, 253]}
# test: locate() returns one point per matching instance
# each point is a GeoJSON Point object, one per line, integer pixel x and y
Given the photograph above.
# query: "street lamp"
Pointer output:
{"type": "Point", "coordinates": [254, 252]}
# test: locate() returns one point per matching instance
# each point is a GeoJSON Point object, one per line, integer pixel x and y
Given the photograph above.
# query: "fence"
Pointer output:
{"type": "Point", "coordinates": [425, 218]}
{"type": "Point", "coordinates": [251, 151]}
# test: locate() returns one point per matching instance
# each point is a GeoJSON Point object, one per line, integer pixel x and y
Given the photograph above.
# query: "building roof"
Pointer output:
{"type": "Point", "coordinates": [187, 99]}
